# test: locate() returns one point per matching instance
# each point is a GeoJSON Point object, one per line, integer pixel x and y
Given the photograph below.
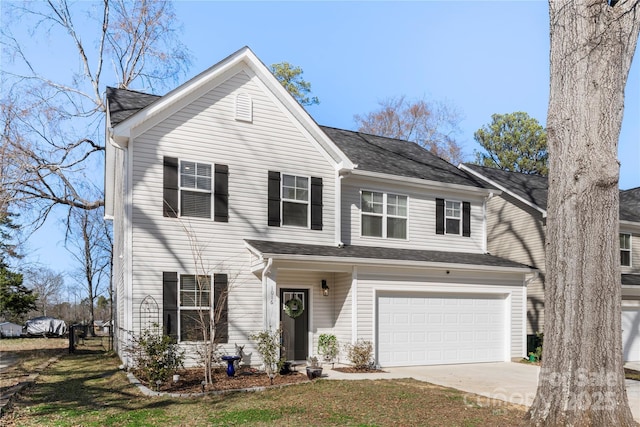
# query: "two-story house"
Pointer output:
{"type": "Point", "coordinates": [225, 186]}
{"type": "Point", "coordinates": [516, 223]}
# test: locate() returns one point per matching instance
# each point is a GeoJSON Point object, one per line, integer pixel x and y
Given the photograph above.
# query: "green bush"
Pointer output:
{"type": "Point", "coordinates": [360, 354]}
{"type": "Point", "coordinates": [156, 357]}
{"type": "Point", "coordinates": [269, 347]}
{"type": "Point", "coordinates": [328, 346]}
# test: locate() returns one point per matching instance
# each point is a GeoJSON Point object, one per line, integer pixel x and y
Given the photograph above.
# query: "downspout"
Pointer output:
{"type": "Point", "coordinates": [265, 304]}
{"type": "Point", "coordinates": [535, 276]}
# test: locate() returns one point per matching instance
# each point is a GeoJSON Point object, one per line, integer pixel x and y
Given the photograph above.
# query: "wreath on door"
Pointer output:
{"type": "Point", "coordinates": [294, 307]}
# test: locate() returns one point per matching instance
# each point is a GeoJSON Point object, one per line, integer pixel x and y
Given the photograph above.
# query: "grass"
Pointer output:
{"type": "Point", "coordinates": [86, 388]}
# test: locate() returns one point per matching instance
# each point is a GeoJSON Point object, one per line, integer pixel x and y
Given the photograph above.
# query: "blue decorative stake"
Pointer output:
{"type": "Point", "coordinates": [231, 371]}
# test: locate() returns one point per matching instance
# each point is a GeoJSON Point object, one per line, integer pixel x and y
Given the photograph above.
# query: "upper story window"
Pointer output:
{"type": "Point", "coordinates": [383, 215]}
{"type": "Point", "coordinates": [195, 189]}
{"type": "Point", "coordinates": [452, 217]}
{"type": "Point", "coordinates": [625, 250]}
{"type": "Point", "coordinates": [295, 200]}
{"type": "Point", "coordinates": [195, 303]}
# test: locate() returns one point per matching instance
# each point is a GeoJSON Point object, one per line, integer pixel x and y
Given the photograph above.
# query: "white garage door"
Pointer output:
{"type": "Point", "coordinates": [631, 334]}
{"type": "Point", "coordinates": [419, 329]}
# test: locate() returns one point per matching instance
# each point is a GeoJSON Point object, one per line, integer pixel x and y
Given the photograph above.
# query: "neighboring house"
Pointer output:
{"type": "Point", "coordinates": [516, 228]}
{"type": "Point", "coordinates": [226, 186]}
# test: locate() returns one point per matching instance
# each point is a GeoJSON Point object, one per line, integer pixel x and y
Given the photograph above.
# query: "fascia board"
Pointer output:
{"type": "Point", "coordinates": [503, 188]}
{"type": "Point", "coordinates": [423, 183]}
{"type": "Point", "coordinates": [394, 263]}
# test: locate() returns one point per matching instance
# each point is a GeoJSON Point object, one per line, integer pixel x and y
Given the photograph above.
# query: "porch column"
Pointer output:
{"type": "Point", "coordinates": [272, 312]}
{"type": "Point", "coordinates": [354, 305]}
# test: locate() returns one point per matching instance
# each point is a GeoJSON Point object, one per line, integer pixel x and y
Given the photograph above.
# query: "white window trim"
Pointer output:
{"type": "Point", "coordinates": [384, 215]}
{"type": "Point", "coordinates": [459, 233]}
{"type": "Point", "coordinates": [630, 250]}
{"type": "Point", "coordinates": [193, 308]}
{"type": "Point", "coordinates": [195, 190]}
{"type": "Point", "coordinates": [283, 200]}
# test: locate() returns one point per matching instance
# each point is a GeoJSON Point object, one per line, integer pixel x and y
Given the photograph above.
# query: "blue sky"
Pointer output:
{"type": "Point", "coordinates": [482, 57]}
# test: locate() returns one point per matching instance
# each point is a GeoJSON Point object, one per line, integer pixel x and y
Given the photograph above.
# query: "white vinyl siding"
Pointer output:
{"type": "Point", "coordinates": [207, 127]}
{"type": "Point", "coordinates": [516, 231]}
{"type": "Point", "coordinates": [421, 219]}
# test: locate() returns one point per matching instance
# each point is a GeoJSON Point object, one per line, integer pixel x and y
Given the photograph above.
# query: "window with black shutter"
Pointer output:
{"type": "Point", "coordinates": [453, 217]}
{"type": "Point", "coordinates": [221, 307]}
{"type": "Point", "coordinates": [294, 201]}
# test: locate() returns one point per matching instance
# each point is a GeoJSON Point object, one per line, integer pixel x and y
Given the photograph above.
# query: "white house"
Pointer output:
{"type": "Point", "coordinates": [228, 183]}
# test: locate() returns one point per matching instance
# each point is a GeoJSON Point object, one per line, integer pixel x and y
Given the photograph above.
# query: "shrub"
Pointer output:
{"type": "Point", "coordinates": [269, 347]}
{"type": "Point", "coordinates": [156, 356]}
{"type": "Point", "coordinates": [328, 346]}
{"type": "Point", "coordinates": [360, 354]}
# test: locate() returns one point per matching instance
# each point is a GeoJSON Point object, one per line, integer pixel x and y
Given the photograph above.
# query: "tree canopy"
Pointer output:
{"type": "Point", "coordinates": [432, 125]}
{"type": "Point", "coordinates": [290, 76]}
{"type": "Point", "coordinates": [513, 142]}
{"type": "Point", "coordinates": [15, 299]}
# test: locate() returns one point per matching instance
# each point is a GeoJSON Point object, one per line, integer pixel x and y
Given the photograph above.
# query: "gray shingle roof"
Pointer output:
{"type": "Point", "coordinates": [397, 157]}
{"type": "Point", "coordinates": [534, 189]}
{"type": "Point", "coordinates": [383, 254]}
{"type": "Point", "coordinates": [124, 103]}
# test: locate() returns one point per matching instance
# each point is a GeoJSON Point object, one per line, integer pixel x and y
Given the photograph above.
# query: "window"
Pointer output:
{"type": "Point", "coordinates": [452, 217]}
{"type": "Point", "coordinates": [187, 189]}
{"type": "Point", "coordinates": [295, 200]}
{"type": "Point", "coordinates": [383, 215]}
{"type": "Point", "coordinates": [195, 303]}
{"type": "Point", "coordinates": [625, 250]}
{"type": "Point", "coordinates": [195, 189]}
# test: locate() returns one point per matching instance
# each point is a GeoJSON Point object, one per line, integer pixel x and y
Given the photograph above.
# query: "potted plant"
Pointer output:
{"type": "Point", "coordinates": [328, 347]}
{"type": "Point", "coordinates": [314, 368]}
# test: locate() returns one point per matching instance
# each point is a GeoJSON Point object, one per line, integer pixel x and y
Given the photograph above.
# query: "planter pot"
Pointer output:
{"type": "Point", "coordinates": [313, 373]}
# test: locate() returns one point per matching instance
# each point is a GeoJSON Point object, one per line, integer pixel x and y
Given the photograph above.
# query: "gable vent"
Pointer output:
{"type": "Point", "coordinates": [244, 108]}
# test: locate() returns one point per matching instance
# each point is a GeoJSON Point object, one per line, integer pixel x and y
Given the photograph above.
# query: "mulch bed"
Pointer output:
{"type": "Point", "coordinates": [191, 381]}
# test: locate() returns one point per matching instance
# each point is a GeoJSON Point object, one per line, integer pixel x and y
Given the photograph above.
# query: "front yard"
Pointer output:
{"type": "Point", "coordinates": [88, 389]}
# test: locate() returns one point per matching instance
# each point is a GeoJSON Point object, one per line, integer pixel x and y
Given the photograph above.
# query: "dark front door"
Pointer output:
{"type": "Point", "coordinates": [294, 315]}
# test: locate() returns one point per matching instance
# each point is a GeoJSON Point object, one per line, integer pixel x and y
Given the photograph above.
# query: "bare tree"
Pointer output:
{"type": "Point", "coordinates": [432, 125]}
{"type": "Point", "coordinates": [53, 126]}
{"type": "Point", "coordinates": [582, 377]}
{"type": "Point", "coordinates": [88, 242]}
{"type": "Point", "coordinates": [47, 284]}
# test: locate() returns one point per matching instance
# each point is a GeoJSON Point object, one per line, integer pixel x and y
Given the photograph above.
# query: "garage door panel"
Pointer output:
{"type": "Point", "coordinates": [426, 329]}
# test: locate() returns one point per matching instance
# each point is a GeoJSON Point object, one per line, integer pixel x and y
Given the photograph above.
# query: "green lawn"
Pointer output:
{"type": "Point", "coordinates": [87, 389]}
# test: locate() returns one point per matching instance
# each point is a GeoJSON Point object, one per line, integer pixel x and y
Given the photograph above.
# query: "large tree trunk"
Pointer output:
{"type": "Point", "coordinates": [582, 378]}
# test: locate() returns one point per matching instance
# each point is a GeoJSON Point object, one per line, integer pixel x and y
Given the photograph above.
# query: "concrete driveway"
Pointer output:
{"type": "Point", "coordinates": [496, 382]}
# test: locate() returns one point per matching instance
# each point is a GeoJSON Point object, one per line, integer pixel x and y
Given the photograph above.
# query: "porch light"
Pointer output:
{"type": "Point", "coordinates": [325, 288]}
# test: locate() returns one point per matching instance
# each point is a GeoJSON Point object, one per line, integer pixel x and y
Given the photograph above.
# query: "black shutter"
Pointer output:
{"type": "Point", "coordinates": [170, 304]}
{"type": "Point", "coordinates": [221, 297]}
{"type": "Point", "coordinates": [439, 216]}
{"type": "Point", "coordinates": [316, 203]}
{"type": "Point", "coordinates": [274, 199]}
{"type": "Point", "coordinates": [170, 187]}
{"type": "Point", "coordinates": [221, 193]}
{"type": "Point", "coordinates": [466, 219]}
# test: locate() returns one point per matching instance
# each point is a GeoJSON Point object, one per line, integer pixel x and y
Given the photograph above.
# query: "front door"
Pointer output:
{"type": "Point", "coordinates": [294, 315]}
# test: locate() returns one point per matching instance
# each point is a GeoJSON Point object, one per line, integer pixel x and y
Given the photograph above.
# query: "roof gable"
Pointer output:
{"type": "Point", "coordinates": [533, 189]}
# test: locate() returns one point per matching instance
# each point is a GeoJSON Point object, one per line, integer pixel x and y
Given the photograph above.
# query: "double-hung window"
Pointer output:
{"type": "Point", "coordinates": [195, 304]}
{"type": "Point", "coordinates": [383, 215]}
{"type": "Point", "coordinates": [195, 189]}
{"type": "Point", "coordinates": [295, 200]}
{"type": "Point", "coordinates": [452, 217]}
{"type": "Point", "coordinates": [625, 250]}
